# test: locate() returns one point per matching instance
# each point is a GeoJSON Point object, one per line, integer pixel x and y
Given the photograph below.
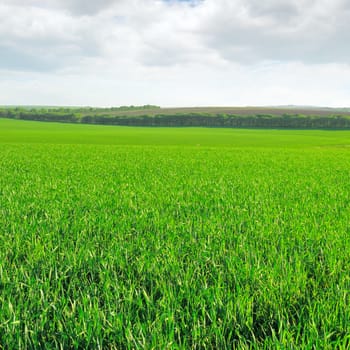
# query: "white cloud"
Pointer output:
{"type": "Point", "coordinates": [174, 52]}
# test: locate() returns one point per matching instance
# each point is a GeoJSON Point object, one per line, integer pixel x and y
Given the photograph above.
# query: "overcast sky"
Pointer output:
{"type": "Point", "coordinates": [175, 53]}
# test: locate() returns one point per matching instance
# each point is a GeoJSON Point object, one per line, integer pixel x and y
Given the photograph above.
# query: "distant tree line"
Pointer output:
{"type": "Point", "coordinates": [107, 116]}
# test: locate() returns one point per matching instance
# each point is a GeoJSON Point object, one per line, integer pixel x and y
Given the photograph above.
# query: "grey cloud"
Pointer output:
{"type": "Point", "coordinates": [86, 7]}
{"type": "Point", "coordinates": [249, 32]}
{"type": "Point", "coordinates": [61, 33]}
{"type": "Point", "coordinates": [44, 40]}
{"type": "Point", "coordinates": [274, 9]}
{"type": "Point", "coordinates": [313, 33]}
{"type": "Point", "coordinates": [75, 7]}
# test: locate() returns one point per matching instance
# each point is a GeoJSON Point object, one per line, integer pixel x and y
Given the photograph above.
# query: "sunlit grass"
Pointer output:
{"type": "Point", "coordinates": [173, 246]}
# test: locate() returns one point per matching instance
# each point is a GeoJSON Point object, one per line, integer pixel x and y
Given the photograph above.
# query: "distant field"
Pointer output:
{"type": "Point", "coordinates": [17, 131]}
{"type": "Point", "coordinates": [173, 238]}
{"type": "Point", "coordinates": [277, 111]}
{"type": "Point", "coordinates": [155, 110]}
{"type": "Point", "coordinates": [218, 117]}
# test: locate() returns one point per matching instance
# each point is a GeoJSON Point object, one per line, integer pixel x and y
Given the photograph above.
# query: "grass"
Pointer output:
{"type": "Point", "coordinates": [136, 238]}
{"type": "Point", "coordinates": [18, 131]}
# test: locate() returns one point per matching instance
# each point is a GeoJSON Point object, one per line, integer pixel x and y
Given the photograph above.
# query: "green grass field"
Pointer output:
{"type": "Point", "coordinates": [154, 238]}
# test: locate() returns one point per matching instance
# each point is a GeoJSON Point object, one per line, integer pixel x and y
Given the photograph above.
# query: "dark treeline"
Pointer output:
{"type": "Point", "coordinates": [108, 116]}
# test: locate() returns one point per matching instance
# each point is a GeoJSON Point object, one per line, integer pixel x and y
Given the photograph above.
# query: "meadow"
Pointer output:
{"type": "Point", "coordinates": [184, 238]}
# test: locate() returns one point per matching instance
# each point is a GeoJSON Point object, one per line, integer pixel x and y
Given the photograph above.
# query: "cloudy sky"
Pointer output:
{"type": "Point", "coordinates": [175, 53]}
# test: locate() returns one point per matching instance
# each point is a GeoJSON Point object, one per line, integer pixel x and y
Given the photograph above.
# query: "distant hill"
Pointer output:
{"type": "Point", "coordinates": [150, 115]}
